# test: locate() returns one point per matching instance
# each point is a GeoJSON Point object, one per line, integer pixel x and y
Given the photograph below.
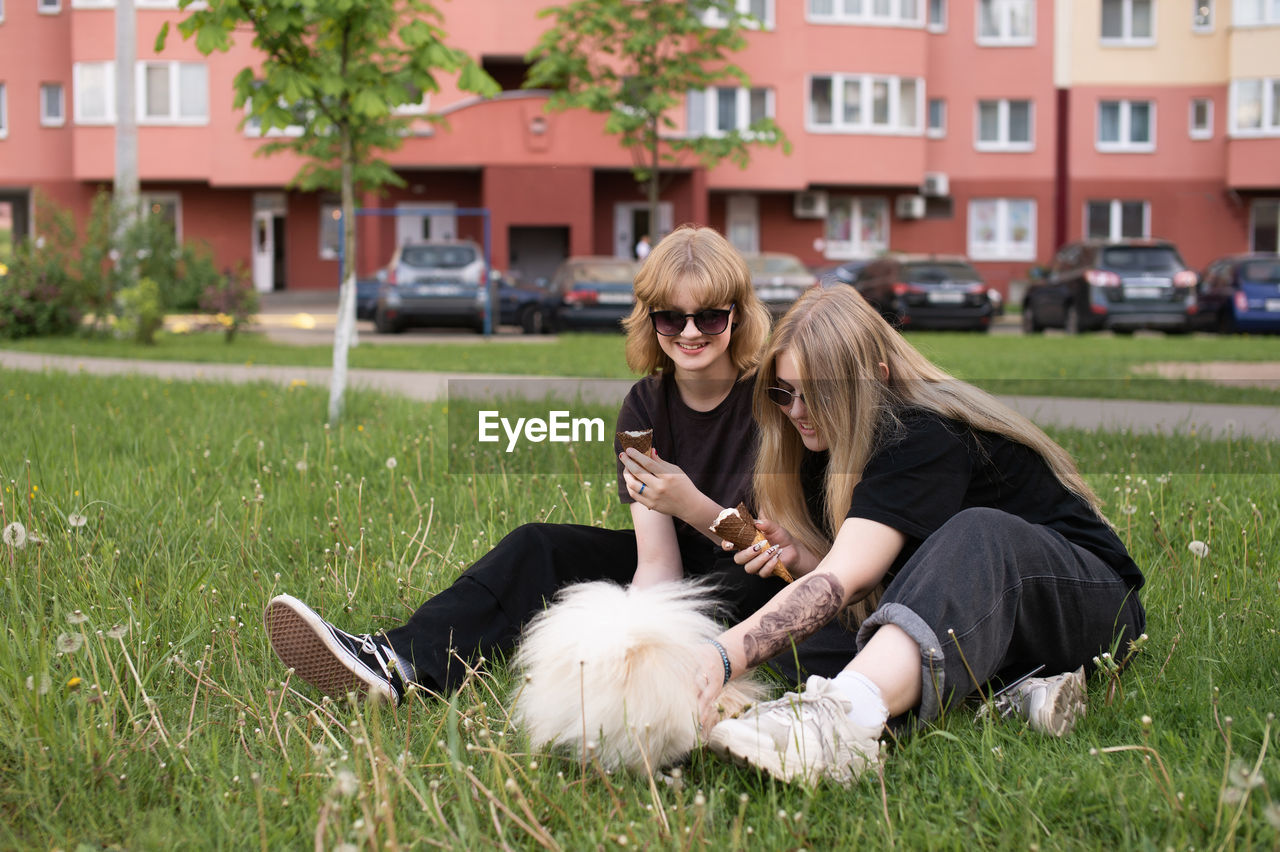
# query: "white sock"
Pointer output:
{"type": "Point", "coordinates": [868, 707]}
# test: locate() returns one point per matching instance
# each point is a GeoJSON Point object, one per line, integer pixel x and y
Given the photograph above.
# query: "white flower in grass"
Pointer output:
{"type": "Point", "coordinates": [69, 643]}
{"type": "Point", "coordinates": [391, 463]}
{"type": "Point", "coordinates": [118, 631]}
{"type": "Point", "coordinates": [15, 535]}
{"type": "Point", "coordinates": [1199, 548]}
{"type": "Point", "coordinates": [76, 520]}
{"type": "Point", "coordinates": [301, 466]}
{"type": "Point", "coordinates": [345, 783]}
{"type": "Point", "coordinates": [45, 684]}
{"type": "Point", "coordinates": [1272, 814]}
{"type": "Point", "coordinates": [76, 617]}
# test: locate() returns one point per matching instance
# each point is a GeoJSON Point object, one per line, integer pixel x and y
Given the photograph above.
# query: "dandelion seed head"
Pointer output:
{"type": "Point", "coordinates": [345, 783]}
{"type": "Point", "coordinates": [15, 535]}
{"type": "Point", "coordinates": [68, 643]}
{"type": "Point", "coordinates": [118, 631]}
{"type": "Point", "coordinates": [76, 520]}
{"type": "Point", "coordinates": [1199, 548]}
{"type": "Point", "coordinates": [76, 617]}
{"type": "Point", "coordinates": [391, 463]}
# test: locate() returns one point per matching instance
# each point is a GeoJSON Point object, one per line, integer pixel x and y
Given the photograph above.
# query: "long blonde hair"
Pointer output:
{"type": "Point", "coordinates": [838, 341]}
{"type": "Point", "coordinates": [702, 259]}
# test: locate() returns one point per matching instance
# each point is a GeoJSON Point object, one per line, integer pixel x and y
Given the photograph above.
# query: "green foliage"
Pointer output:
{"type": "Point", "coordinates": [40, 295]}
{"type": "Point", "coordinates": [141, 706]}
{"type": "Point", "coordinates": [336, 69]}
{"type": "Point", "coordinates": [141, 311]}
{"type": "Point", "coordinates": [635, 63]}
{"type": "Point", "coordinates": [233, 301]}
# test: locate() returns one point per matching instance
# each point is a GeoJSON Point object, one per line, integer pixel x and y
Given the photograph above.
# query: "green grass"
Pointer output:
{"type": "Point", "coordinates": [198, 507]}
{"type": "Point", "coordinates": [1086, 366]}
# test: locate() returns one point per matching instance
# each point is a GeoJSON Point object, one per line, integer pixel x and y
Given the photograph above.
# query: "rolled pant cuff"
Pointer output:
{"type": "Point", "coordinates": [932, 678]}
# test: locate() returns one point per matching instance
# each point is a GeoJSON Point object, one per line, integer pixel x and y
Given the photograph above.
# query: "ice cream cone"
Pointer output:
{"type": "Point", "coordinates": [738, 526]}
{"type": "Point", "coordinates": [641, 439]}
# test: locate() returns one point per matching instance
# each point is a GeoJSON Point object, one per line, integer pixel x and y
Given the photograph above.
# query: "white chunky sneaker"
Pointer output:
{"type": "Point", "coordinates": [804, 735]}
{"type": "Point", "coordinates": [333, 661]}
{"type": "Point", "coordinates": [1050, 705]}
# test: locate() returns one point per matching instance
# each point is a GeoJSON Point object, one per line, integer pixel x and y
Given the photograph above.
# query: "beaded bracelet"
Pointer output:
{"type": "Point", "coordinates": [724, 658]}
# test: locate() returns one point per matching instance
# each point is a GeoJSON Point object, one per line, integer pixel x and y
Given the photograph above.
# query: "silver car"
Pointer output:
{"type": "Point", "coordinates": [431, 284]}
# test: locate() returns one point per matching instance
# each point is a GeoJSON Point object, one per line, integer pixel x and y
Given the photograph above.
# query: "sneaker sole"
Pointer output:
{"type": "Point", "coordinates": [302, 641]}
{"type": "Point", "coordinates": [1065, 706]}
{"type": "Point", "coordinates": [728, 744]}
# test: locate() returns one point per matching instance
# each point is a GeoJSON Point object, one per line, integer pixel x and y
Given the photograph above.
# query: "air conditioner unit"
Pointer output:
{"type": "Point", "coordinates": [810, 205]}
{"type": "Point", "coordinates": [936, 184]}
{"type": "Point", "coordinates": [909, 206]}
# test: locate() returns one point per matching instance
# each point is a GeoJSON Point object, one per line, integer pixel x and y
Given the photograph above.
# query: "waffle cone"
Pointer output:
{"type": "Point", "coordinates": [740, 529]}
{"type": "Point", "coordinates": [642, 441]}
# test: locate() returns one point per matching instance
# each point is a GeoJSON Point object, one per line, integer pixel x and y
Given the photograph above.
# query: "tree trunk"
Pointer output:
{"type": "Point", "coordinates": [345, 327]}
{"type": "Point", "coordinates": [655, 230]}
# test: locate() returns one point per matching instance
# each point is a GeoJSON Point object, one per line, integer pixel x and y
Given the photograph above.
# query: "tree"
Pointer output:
{"type": "Point", "coordinates": [339, 69]}
{"type": "Point", "coordinates": [636, 62]}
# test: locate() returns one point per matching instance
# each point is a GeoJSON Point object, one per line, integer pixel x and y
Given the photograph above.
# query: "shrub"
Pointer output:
{"type": "Point", "coordinates": [232, 300]}
{"type": "Point", "coordinates": [141, 311]}
{"type": "Point", "coordinates": [39, 295]}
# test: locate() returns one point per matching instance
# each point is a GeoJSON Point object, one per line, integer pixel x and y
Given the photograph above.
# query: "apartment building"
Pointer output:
{"type": "Point", "coordinates": [993, 128]}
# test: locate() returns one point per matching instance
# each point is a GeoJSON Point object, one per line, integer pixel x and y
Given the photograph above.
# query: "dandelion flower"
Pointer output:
{"type": "Point", "coordinates": [346, 783]}
{"type": "Point", "coordinates": [69, 643]}
{"type": "Point", "coordinates": [301, 466]}
{"type": "Point", "coordinates": [15, 535]}
{"type": "Point", "coordinates": [391, 463]}
{"type": "Point", "coordinates": [76, 520]}
{"type": "Point", "coordinates": [73, 684]}
{"type": "Point", "coordinates": [76, 617]}
{"type": "Point", "coordinates": [45, 684]}
{"type": "Point", "coordinates": [1272, 814]}
{"type": "Point", "coordinates": [1199, 548]}
{"type": "Point", "coordinates": [118, 631]}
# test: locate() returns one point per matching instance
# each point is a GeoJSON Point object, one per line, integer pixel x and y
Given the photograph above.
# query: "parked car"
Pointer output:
{"type": "Point", "coordinates": [367, 296]}
{"type": "Point", "coordinates": [1241, 293]}
{"type": "Point", "coordinates": [841, 273]}
{"type": "Point", "coordinates": [593, 292]}
{"type": "Point", "coordinates": [779, 279]}
{"type": "Point", "coordinates": [1121, 285]}
{"type": "Point", "coordinates": [529, 306]}
{"type": "Point", "coordinates": [433, 283]}
{"type": "Point", "coordinates": [927, 291]}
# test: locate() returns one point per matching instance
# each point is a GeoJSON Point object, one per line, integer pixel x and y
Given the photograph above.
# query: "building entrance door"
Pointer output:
{"type": "Point", "coordinates": [268, 241]}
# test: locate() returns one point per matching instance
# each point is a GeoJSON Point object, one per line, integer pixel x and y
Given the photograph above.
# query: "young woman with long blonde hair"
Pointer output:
{"type": "Point", "coordinates": [876, 467]}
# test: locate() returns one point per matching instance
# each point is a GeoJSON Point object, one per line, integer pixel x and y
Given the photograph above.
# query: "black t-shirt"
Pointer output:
{"type": "Point", "coordinates": [922, 474]}
{"type": "Point", "coordinates": [716, 448]}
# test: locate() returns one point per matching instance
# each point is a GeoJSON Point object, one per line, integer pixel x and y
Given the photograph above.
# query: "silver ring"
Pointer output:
{"type": "Point", "coordinates": [642, 485]}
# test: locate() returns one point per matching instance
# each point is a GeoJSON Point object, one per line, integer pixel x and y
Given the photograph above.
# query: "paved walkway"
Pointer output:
{"type": "Point", "coordinates": [1208, 420]}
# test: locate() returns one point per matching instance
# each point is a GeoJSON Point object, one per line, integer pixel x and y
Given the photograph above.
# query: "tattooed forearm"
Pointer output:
{"type": "Point", "coordinates": [814, 600]}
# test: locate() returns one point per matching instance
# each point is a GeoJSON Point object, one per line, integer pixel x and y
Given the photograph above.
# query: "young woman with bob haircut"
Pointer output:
{"type": "Point", "coordinates": [877, 467]}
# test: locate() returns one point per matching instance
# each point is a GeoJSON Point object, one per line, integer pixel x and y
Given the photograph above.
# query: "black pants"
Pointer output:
{"type": "Point", "coordinates": [482, 613]}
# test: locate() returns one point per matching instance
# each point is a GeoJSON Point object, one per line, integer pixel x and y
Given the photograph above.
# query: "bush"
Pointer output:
{"type": "Point", "coordinates": [39, 295]}
{"type": "Point", "coordinates": [232, 300]}
{"type": "Point", "coordinates": [141, 311]}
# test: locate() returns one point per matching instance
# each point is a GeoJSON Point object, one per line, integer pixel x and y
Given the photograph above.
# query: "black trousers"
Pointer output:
{"type": "Point", "coordinates": [483, 611]}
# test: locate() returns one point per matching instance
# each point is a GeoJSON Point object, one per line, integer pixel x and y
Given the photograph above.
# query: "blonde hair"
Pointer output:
{"type": "Point", "coordinates": [702, 260]}
{"type": "Point", "coordinates": [837, 342]}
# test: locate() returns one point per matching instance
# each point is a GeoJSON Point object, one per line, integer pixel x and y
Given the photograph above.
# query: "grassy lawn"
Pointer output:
{"type": "Point", "coordinates": [141, 706]}
{"type": "Point", "coordinates": [1086, 366]}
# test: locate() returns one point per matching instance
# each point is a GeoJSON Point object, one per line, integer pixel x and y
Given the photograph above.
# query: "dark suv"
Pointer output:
{"type": "Point", "coordinates": [1121, 285]}
{"type": "Point", "coordinates": [926, 291]}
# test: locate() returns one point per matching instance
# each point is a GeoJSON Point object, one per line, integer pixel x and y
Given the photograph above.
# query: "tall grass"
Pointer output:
{"type": "Point", "coordinates": [141, 706]}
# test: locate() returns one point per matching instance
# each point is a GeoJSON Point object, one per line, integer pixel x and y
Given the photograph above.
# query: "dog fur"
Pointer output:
{"type": "Point", "coordinates": [606, 672]}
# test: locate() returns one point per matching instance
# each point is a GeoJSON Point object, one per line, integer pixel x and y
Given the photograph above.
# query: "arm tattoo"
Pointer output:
{"type": "Point", "coordinates": [813, 602]}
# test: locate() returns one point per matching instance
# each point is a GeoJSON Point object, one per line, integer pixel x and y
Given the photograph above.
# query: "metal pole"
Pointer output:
{"type": "Point", "coordinates": [126, 171]}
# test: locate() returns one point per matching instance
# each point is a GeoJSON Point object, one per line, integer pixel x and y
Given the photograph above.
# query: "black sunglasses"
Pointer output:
{"type": "Point", "coordinates": [707, 321]}
{"type": "Point", "coordinates": [783, 396]}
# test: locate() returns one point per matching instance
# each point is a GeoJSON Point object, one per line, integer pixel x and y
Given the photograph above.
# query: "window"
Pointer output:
{"type": "Point", "coordinates": [330, 229]}
{"type": "Point", "coordinates": [1126, 126]}
{"type": "Point", "coordinates": [1128, 22]}
{"type": "Point", "coordinates": [1202, 118]}
{"type": "Point", "coordinates": [4, 113]}
{"type": "Point", "coordinates": [1202, 16]}
{"type": "Point", "coordinates": [94, 92]}
{"type": "Point", "coordinates": [1004, 125]}
{"type": "Point", "coordinates": [49, 7]}
{"type": "Point", "coordinates": [1115, 219]}
{"type": "Point", "coordinates": [862, 103]}
{"type": "Point", "coordinates": [173, 92]}
{"type": "Point", "coordinates": [165, 205]}
{"type": "Point", "coordinates": [1002, 229]}
{"type": "Point", "coordinates": [1006, 23]}
{"type": "Point", "coordinates": [937, 21]}
{"type": "Point", "coordinates": [937, 126]}
{"type": "Point", "coordinates": [725, 109]}
{"type": "Point", "coordinates": [1255, 107]}
{"type": "Point", "coordinates": [760, 12]}
{"type": "Point", "coordinates": [892, 13]}
{"type": "Point", "coordinates": [857, 226]}
{"type": "Point", "coordinates": [53, 108]}
{"type": "Point", "coordinates": [1252, 13]}
{"type": "Point", "coordinates": [1264, 225]}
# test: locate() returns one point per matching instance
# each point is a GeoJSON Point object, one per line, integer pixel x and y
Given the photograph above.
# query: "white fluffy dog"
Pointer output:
{"type": "Point", "coordinates": [607, 670]}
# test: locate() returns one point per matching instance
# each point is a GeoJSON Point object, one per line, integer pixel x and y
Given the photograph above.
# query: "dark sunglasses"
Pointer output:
{"type": "Point", "coordinates": [707, 321]}
{"type": "Point", "coordinates": [783, 396]}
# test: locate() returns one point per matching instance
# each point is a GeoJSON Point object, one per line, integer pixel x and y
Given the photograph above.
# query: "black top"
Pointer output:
{"type": "Point", "coordinates": [716, 448]}
{"type": "Point", "coordinates": [933, 467]}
